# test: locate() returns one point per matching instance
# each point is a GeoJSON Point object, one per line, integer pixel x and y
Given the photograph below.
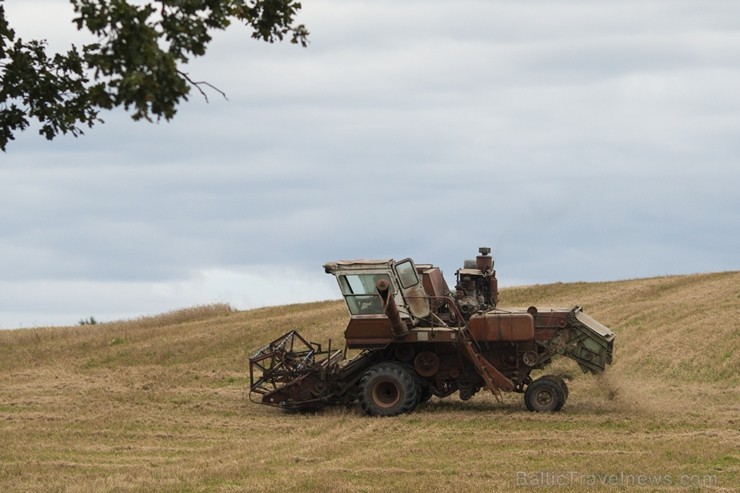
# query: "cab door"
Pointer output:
{"type": "Point", "coordinates": [412, 291]}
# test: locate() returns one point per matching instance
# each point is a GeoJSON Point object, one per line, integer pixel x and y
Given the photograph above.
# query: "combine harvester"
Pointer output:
{"type": "Point", "coordinates": [419, 339]}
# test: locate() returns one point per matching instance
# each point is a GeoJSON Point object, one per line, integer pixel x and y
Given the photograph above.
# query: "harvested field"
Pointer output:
{"type": "Point", "coordinates": [160, 404]}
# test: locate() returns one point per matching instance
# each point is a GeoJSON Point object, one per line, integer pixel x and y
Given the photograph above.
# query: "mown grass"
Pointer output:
{"type": "Point", "coordinates": [159, 404]}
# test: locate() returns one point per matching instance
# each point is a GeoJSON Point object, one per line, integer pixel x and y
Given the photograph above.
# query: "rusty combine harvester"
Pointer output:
{"type": "Point", "coordinates": [419, 339]}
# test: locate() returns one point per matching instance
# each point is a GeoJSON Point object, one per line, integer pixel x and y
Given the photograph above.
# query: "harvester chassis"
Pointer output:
{"type": "Point", "coordinates": [418, 339]}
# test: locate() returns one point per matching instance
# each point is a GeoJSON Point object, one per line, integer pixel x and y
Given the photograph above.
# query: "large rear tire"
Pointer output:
{"type": "Point", "coordinates": [388, 389]}
{"type": "Point", "coordinates": [544, 395]}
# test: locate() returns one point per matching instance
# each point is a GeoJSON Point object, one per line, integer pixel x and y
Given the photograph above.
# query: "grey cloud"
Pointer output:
{"type": "Point", "coordinates": [581, 140]}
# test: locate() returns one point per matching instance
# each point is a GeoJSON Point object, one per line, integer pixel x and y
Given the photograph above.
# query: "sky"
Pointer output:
{"type": "Point", "coordinates": [581, 140]}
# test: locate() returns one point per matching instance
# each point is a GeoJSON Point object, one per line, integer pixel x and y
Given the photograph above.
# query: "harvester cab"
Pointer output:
{"type": "Point", "coordinates": [368, 286]}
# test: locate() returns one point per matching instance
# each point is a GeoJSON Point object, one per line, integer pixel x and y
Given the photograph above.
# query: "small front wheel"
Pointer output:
{"type": "Point", "coordinates": [544, 395]}
{"type": "Point", "coordinates": [561, 382]}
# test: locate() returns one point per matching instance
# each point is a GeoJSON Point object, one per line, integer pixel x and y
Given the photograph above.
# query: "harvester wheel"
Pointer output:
{"type": "Point", "coordinates": [544, 395]}
{"type": "Point", "coordinates": [388, 389]}
{"type": "Point", "coordinates": [561, 382]}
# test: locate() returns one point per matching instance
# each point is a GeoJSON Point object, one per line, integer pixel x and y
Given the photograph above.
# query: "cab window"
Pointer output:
{"type": "Point", "coordinates": [407, 274]}
{"type": "Point", "coordinates": [360, 293]}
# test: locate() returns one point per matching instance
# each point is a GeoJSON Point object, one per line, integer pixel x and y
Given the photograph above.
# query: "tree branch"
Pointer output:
{"type": "Point", "coordinates": [197, 85]}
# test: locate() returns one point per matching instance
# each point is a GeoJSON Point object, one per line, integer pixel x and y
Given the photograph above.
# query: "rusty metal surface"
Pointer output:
{"type": "Point", "coordinates": [502, 326]}
{"type": "Point", "coordinates": [398, 327]}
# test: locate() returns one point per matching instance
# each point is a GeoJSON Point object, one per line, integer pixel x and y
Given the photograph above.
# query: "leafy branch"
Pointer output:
{"type": "Point", "coordinates": [135, 62]}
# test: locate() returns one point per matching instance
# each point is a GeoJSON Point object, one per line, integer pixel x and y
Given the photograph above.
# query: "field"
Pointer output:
{"type": "Point", "coordinates": [160, 404]}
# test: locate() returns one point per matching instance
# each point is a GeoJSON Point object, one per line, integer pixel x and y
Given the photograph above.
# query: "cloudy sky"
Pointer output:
{"type": "Point", "coordinates": [581, 140]}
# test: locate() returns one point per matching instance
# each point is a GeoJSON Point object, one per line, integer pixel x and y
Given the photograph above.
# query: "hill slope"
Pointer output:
{"type": "Point", "coordinates": [159, 403]}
